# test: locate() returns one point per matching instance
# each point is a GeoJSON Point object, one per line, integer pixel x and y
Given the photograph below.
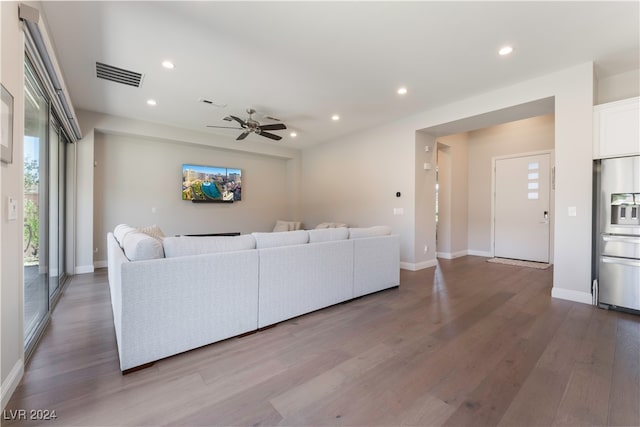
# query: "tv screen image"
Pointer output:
{"type": "Point", "coordinates": [211, 183]}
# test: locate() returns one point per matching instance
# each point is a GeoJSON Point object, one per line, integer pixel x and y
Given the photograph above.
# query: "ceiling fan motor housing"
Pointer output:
{"type": "Point", "coordinates": [252, 124]}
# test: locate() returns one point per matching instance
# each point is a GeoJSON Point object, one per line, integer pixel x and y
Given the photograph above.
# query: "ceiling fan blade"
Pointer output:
{"type": "Point", "coordinates": [239, 120]}
{"type": "Point", "coordinates": [223, 127]}
{"type": "Point", "coordinates": [270, 135]}
{"type": "Point", "coordinates": [275, 126]}
{"type": "Point", "coordinates": [243, 135]}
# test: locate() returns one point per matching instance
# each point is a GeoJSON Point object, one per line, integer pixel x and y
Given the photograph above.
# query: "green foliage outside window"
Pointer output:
{"type": "Point", "coordinates": [31, 231]}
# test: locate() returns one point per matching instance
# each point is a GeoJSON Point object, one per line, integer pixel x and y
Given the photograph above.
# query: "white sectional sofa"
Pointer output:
{"type": "Point", "coordinates": [174, 294]}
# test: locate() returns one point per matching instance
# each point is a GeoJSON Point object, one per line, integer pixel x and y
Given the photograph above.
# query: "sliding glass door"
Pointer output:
{"type": "Point", "coordinates": [44, 202]}
{"type": "Point", "coordinates": [36, 182]}
{"type": "Point", "coordinates": [57, 144]}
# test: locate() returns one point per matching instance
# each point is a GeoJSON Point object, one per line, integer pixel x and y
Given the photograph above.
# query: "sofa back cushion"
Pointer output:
{"type": "Point", "coordinates": [328, 234]}
{"type": "Point", "coordinates": [140, 246]}
{"type": "Point", "coordinates": [285, 238]}
{"type": "Point", "coordinates": [376, 230]}
{"type": "Point", "coordinates": [120, 231]}
{"type": "Point", "coordinates": [193, 245]}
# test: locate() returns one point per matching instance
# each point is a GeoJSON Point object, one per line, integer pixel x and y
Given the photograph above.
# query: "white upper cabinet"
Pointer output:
{"type": "Point", "coordinates": [616, 128]}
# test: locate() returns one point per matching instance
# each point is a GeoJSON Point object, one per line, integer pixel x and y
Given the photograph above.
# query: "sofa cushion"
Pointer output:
{"type": "Point", "coordinates": [328, 234]}
{"type": "Point", "coordinates": [376, 230]}
{"type": "Point", "coordinates": [120, 231]}
{"type": "Point", "coordinates": [139, 246]}
{"type": "Point", "coordinates": [192, 245]}
{"type": "Point", "coordinates": [286, 238]}
{"type": "Point", "coordinates": [330, 225]}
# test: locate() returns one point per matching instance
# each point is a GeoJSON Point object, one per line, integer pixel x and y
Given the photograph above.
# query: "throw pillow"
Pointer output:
{"type": "Point", "coordinates": [152, 230]}
{"type": "Point", "coordinates": [330, 225]}
{"type": "Point", "coordinates": [287, 226]}
{"type": "Point", "coordinates": [281, 226]}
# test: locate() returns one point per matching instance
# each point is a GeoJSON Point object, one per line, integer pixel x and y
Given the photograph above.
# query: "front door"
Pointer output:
{"type": "Point", "coordinates": [522, 208]}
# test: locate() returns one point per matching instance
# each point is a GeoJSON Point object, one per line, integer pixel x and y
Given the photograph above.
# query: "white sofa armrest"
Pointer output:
{"type": "Point", "coordinates": [173, 305]}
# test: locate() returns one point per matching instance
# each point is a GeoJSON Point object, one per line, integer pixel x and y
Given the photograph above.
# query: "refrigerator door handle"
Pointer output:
{"type": "Point", "coordinates": [625, 239]}
{"type": "Point", "coordinates": [621, 261]}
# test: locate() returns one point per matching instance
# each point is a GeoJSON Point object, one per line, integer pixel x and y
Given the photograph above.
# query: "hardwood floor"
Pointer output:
{"type": "Point", "coordinates": [467, 343]}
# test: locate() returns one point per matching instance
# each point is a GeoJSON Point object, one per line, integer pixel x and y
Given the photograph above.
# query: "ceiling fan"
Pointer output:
{"type": "Point", "coordinates": [252, 126]}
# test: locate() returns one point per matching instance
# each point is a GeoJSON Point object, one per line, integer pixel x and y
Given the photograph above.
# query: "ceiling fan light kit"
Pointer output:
{"type": "Point", "coordinates": [252, 126]}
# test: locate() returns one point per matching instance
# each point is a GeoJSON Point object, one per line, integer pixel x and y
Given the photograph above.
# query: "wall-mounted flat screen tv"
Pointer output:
{"type": "Point", "coordinates": [211, 183]}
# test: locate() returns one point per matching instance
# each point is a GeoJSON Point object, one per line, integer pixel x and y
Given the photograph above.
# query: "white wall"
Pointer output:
{"type": "Point", "coordinates": [139, 167]}
{"type": "Point", "coordinates": [355, 181]}
{"type": "Point", "coordinates": [620, 86]}
{"type": "Point", "coordinates": [134, 176]}
{"type": "Point", "coordinates": [425, 203]}
{"type": "Point", "coordinates": [453, 215]}
{"type": "Point", "coordinates": [11, 181]}
{"type": "Point", "coordinates": [445, 190]}
{"type": "Point", "coordinates": [522, 136]}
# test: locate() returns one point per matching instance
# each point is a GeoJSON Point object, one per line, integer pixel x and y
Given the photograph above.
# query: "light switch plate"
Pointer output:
{"type": "Point", "coordinates": [572, 211]}
{"type": "Point", "coordinates": [12, 209]}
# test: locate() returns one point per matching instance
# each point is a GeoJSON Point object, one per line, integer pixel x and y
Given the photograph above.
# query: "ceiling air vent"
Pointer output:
{"type": "Point", "coordinates": [212, 103]}
{"type": "Point", "coordinates": [118, 75]}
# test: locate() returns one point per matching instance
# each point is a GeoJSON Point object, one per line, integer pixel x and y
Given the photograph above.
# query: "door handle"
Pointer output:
{"type": "Point", "coordinates": [546, 218]}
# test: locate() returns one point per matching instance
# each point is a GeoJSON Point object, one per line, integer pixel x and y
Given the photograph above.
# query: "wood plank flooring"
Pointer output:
{"type": "Point", "coordinates": [468, 343]}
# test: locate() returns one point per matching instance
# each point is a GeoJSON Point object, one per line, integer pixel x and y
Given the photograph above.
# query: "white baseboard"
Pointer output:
{"type": "Point", "coordinates": [100, 264]}
{"type": "Point", "coordinates": [411, 266]}
{"type": "Point", "coordinates": [454, 255]}
{"type": "Point", "coordinates": [9, 385]}
{"type": "Point", "coordinates": [83, 269]}
{"type": "Point", "coordinates": [486, 254]}
{"type": "Point", "coordinates": [576, 296]}
{"type": "Point", "coordinates": [444, 255]}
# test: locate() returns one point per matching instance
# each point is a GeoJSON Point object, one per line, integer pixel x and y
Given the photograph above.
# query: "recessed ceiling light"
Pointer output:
{"type": "Point", "coordinates": [293, 134]}
{"type": "Point", "coordinates": [152, 102]}
{"type": "Point", "coordinates": [335, 117]}
{"type": "Point", "coordinates": [168, 64]}
{"type": "Point", "coordinates": [505, 50]}
{"type": "Point", "coordinates": [402, 91]}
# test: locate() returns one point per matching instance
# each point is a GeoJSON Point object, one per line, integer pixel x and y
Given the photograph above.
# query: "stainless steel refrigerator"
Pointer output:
{"type": "Point", "coordinates": [617, 237]}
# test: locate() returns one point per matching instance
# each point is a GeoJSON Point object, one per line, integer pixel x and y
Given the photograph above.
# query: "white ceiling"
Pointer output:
{"type": "Point", "coordinates": [305, 61]}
